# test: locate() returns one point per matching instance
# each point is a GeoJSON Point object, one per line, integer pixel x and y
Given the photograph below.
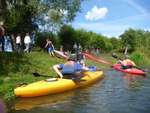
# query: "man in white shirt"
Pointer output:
{"type": "Point", "coordinates": [18, 43]}
{"type": "Point", "coordinates": [27, 41]}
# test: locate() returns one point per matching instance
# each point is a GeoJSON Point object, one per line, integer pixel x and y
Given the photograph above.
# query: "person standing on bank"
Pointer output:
{"type": "Point", "coordinates": [50, 47]}
{"type": "Point", "coordinates": [27, 41]}
{"type": "Point", "coordinates": [18, 43]}
{"type": "Point", "coordinates": [2, 41]}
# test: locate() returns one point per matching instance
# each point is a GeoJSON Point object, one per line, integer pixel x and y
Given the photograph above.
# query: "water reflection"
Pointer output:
{"type": "Point", "coordinates": [68, 102]}
{"type": "Point", "coordinates": [133, 81]}
{"type": "Point", "coordinates": [50, 100]}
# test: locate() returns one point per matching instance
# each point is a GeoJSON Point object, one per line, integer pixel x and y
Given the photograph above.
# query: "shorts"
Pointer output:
{"type": "Point", "coordinates": [50, 49]}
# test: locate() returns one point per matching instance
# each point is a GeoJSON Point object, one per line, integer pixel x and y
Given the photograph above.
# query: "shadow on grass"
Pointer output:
{"type": "Point", "coordinates": [12, 62]}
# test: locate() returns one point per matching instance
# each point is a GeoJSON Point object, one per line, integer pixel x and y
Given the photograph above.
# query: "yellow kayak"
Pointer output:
{"type": "Point", "coordinates": [56, 85]}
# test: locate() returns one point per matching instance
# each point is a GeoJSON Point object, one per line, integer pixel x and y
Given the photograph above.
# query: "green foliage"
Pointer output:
{"type": "Point", "coordinates": [83, 38]}
{"type": "Point", "coordinates": [67, 37]}
{"type": "Point", "coordinates": [116, 43]}
{"type": "Point", "coordinates": [140, 58]}
{"type": "Point", "coordinates": [129, 39]}
{"type": "Point", "coordinates": [137, 40]}
{"type": "Point", "coordinates": [25, 15]}
{"type": "Point", "coordinates": [18, 16]}
{"type": "Point", "coordinates": [96, 41]}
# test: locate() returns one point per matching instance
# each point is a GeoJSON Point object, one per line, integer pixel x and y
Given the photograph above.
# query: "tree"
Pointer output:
{"type": "Point", "coordinates": [83, 38]}
{"type": "Point", "coordinates": [25, 15]}
{"type": "Point", "coordinates": [129, 39]}
{"type": "Point", "coordinates": [67, 37]}
{"type": "Point", "coordinates": [98, 42]}
{"type": "Point", "coordinates": [115, 43]}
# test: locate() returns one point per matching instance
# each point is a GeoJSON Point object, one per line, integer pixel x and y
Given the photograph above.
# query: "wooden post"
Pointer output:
{"type": "Point", "coordinates": [126, 50]}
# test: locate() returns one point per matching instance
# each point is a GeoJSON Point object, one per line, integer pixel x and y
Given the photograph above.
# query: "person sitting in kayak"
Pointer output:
{"type": "Point", "coordinates": [81, 58]}
{"type": "Point", "coordinates": [127, 63]}
{"type": "Point", "coordinates": [71, 67]}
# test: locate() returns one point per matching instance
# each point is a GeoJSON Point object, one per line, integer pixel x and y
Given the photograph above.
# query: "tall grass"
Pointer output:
{"type": "Point", "coordinates": [140, 58]}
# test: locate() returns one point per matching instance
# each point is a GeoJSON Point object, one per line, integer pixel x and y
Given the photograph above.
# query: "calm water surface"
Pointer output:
{"type": "Point", "coordinates": [116, 93]}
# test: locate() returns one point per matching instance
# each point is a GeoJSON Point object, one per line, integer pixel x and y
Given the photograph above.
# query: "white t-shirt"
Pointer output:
{"type": "Point", "coordinates": [18, 40]}
{"type": "Point", "coordinates": [27, 39]}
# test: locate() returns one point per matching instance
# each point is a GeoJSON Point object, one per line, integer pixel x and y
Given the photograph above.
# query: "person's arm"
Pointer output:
{"type": "Point", "coordinates": [46, 45]}
{"type": "Point", "coordinates": [53, 46]}
{"type": "Point", "coordinates": [133, 63]}
{"type": "Point", "coordinates": [84, 68]}
{"type": "Point", "coordinates": [56, 68]}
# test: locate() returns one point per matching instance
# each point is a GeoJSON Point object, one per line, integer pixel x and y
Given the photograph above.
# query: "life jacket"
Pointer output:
{"type": "Point", "coordinates": [71, 69]}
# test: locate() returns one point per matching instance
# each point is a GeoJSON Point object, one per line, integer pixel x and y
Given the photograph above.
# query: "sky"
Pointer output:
{"type": "Point", "coordinates": [113, 17]}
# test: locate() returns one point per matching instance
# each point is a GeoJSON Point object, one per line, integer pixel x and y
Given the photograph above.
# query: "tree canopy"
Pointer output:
{"type": "Point", "coordinates": [26, 15]}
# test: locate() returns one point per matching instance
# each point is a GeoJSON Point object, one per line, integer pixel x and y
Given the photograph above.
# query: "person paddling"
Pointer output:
{"type": "Point", "coordinates": [127, 63]}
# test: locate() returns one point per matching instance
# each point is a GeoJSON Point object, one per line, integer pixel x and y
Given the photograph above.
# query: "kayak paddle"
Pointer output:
{"type": "Point", "coordinates": [35, 74]}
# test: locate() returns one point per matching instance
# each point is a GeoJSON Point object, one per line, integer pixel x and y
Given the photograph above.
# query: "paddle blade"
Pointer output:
{"type": "Point", "coordinates": [61, 54]}
{"type": "Point", "coordinates": [114, 55]}
{"type": "Point", "coordinates": [95, 58]}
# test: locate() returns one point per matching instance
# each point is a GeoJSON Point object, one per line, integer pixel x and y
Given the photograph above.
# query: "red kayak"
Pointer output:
{"type": "Point", "coordinates": [134, 71]}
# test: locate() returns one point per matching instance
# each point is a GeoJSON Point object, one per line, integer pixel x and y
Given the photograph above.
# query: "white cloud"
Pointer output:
{"type": "Point", "coordinates": [96, 13]}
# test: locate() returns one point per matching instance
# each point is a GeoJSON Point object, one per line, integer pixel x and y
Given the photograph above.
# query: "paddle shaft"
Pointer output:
{"type": "Point", "coordinates": [35, 74]}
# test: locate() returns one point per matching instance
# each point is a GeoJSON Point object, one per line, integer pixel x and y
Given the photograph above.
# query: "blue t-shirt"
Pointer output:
{"type": "Point", "coordinates": [70, 69]}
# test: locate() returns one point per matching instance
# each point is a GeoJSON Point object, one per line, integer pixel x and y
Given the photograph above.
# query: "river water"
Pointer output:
{"type": "Point", "coordinates": [116, 93]}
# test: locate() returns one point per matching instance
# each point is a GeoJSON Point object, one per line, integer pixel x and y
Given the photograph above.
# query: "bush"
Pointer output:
{"type": "Point", "coordinates": [139, 58]}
